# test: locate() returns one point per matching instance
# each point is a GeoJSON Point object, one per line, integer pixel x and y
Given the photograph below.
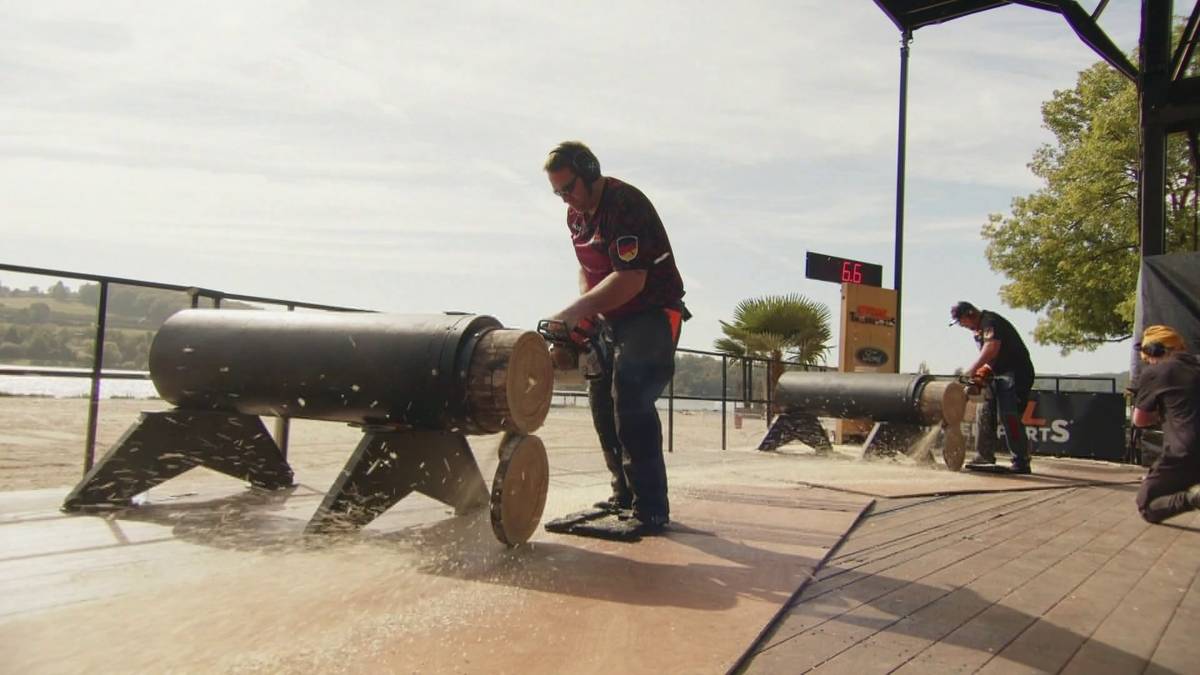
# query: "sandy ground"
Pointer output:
{"type": "Point", "coordinates": [42, 439]}
{"type": "Point", "coordinates": [206, 576]}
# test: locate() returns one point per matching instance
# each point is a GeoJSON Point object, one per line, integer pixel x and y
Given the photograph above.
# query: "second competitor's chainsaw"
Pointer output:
{"type": "Point", "coordinates": [583, 340]}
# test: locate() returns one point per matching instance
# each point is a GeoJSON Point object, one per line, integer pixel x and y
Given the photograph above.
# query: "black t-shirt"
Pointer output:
{"type": "Point", "coordinates": [1171, 388]}
{"type": "Point", "coordinates": [625, 233]}
{"type": "Point", "coordinates": [1013, 357]}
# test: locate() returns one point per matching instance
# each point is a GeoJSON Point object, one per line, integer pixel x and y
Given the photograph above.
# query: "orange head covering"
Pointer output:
{"type": "Point", "coordinates": [1163, 335]}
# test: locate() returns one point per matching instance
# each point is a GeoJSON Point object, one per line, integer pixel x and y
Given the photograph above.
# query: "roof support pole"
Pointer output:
{"type": "Point", "coordinates": [905, 41]}
{"type": "Point", "coordinates": [1153, 86]}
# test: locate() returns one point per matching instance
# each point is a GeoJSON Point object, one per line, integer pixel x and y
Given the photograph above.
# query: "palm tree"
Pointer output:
{"type": "Point", "coordinates": [781, 328]}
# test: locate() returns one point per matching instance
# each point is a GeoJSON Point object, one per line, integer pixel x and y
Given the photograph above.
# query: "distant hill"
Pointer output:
{"type": "Point", "coordinates": [56, 326]}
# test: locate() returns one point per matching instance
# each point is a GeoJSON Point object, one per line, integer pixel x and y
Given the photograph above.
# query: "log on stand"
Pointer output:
{"type": "Point", "coordinates": [417, 385]}
{"type": "Point", "coordinates": [903, 407]}
{"type": "Point", "coordinates": [510, 382]}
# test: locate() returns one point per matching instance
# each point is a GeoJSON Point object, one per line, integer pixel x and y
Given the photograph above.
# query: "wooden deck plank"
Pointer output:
{"type": "Point", "coordinates": [909, 546]}
{"type": "Point", "coordinates": [1049, 473]}
{"type": "Point", "coordinates": [921, 517]}
{"type": "Point", "coordinates": [973, 644]}
{"type": "Point", "coordinates": [1055, 637]}
{"type": "Point", "coordinates": [1154, 624]}
{"type": "Point", "coordinates": [933, 605]}
{"type": "Point", "coordinates": [1178, 650]}
{"type": "Point", "coordinates": [909, 541]}
{"type": "Point", "coordinates": [830, 623]}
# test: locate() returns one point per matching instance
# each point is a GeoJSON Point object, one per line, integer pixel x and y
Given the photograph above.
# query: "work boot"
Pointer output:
{"type": "Point", "coordinates": [1193, 496]}
{"type": "Point", "coordinates": [649, 525]}
{"type": "Point", "coordinates": [614, 504]}
{"type": "Point", "coordinates": [1020, 465]}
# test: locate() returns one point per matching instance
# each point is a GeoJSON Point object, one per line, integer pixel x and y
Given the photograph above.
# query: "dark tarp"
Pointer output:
{"type": "Point", "coordinates": [1169, 293]}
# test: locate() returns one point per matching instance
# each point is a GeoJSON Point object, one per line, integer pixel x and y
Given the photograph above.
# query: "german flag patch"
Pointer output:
{"type": "Point", "coordinates": [627, 248]}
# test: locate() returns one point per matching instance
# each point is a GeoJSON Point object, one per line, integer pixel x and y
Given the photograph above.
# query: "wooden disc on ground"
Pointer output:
{"type": "Point", "coordinates": [511, 382]}
{"type": "Point", "coordinates": [955, 448]}
{"type": "Point", "coordinates": [954, 404]}
{"type": "Point", "coordinates": [519, 488]}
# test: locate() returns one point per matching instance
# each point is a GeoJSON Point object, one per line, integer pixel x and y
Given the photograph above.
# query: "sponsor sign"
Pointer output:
{"type": "Point", "coordinates": [871, 356]}
{"type": "Point", "coordinates": [1076, 424]}
{"type": "Point", "coordinates": [874, 316]}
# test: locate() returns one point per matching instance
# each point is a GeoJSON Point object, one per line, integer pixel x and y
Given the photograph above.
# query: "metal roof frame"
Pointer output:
{"type": "Point", "coordinates": [1168, 100]}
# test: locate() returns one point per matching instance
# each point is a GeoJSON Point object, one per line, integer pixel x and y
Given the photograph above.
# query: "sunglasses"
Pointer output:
{"type": "Point", "coordinates": [1150, 348]}
{"type": "Point", "coordinates": [566, 189]}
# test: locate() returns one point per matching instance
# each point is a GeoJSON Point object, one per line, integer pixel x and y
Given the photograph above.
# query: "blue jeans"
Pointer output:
{"type": "Point", "coordinates": [638, 365]}
{"type": "Point", "coordinates": [1011, 397]}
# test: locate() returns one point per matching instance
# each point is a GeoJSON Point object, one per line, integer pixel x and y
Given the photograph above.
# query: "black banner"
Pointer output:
{"type": "Point", "coordinates": [1076, 424]}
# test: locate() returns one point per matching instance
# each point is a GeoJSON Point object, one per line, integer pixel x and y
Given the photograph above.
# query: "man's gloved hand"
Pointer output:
{"type": "Point", "coordinates": [560, 332]}
{"type": "Point", "coordinates": [982, 375]}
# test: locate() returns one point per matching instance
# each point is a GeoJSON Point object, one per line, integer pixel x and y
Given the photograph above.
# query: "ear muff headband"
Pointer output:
{"type": "Point", "coordinates": [586, 166]}
{"type": "Point", "coordinates": [583, 162]}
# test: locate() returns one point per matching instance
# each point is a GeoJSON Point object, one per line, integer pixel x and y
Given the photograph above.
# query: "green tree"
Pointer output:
{"type": "Point", "coordinates": [697, 375]}
{"type": "Point", "coordinates": [60, 292]}
{"type": "Point", "coordinates": [1070, 250]}
{"type": "Point", "coordinates": [89, 294]}
{"type": "Point", "coordinates": [782, 328]}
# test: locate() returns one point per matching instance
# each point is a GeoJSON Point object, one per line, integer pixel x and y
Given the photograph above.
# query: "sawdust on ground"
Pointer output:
{"type": "Point", "coordinates": [42, 440]}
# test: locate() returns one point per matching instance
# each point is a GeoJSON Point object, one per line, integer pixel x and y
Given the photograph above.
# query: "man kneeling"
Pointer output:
{"type": "Point", "coordinates": [1168, 390]}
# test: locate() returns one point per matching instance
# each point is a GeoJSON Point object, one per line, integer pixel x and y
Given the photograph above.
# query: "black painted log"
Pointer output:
{"type": "Point", "coordinates": [434, 372]}
{"type": "Point", "coordinates": [882, 397]}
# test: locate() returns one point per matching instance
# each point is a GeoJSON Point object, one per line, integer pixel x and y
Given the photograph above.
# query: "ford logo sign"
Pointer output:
{"type": "Point", "coordinates": [871, 356]}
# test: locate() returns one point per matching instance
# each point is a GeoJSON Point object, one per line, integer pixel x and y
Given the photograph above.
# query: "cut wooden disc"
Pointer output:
{"type": "Point", "coordinates": [519, 488]}
{"type": "Point", "coordinates": [954, 404]}
{"type": "Point", "coordinates": [510, 382]}
{"type": "Point", "coordinates": [943, 401]}
{"type": "Point", "coordinates": [955, 448]}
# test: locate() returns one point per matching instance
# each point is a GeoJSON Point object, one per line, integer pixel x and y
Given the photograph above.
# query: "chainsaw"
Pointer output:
{"type": "Point", "coordinates": [978, 381]}
{"type": "Point", "coordinates": [582, 340]}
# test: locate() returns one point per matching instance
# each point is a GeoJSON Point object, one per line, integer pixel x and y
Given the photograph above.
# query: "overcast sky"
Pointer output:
{"type": "Point", "coordinates": [387, 155]}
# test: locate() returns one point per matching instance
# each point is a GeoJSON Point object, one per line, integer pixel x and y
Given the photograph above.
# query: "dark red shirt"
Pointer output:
{"type": "Point", "coordinates": [625, 233]}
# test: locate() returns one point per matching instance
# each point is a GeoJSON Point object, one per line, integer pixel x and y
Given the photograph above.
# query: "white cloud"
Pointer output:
{"type": "Point", "coordinates": [388, 154]}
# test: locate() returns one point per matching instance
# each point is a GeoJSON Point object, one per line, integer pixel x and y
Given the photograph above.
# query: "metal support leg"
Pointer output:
{"type": "Point", "coordinates": [162, 445]}
{"type": "Point", "coordinates": [389, 465]}
{"type": "Point", "coordinates": [796, 426]}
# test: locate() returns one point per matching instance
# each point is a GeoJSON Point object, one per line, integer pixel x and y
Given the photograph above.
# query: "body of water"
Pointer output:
{"type": "Point", "coordinates": [73, 387]}
{"type": "Point", "coordinates": [79, 387]}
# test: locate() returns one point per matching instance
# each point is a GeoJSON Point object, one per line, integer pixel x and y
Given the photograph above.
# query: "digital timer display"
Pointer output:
{"type": "Point", "coordinates": [842, 270]}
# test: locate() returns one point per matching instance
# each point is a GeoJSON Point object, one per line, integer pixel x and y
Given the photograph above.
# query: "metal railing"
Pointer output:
{"type": "Point", "coordinates": [745, 392]}
{"type": "Point", "coordinates": [1059, 379]}
{"type": "Point", "coordinates": [747, 397]}
{"type": "Point", "coordinates": [97, 373]}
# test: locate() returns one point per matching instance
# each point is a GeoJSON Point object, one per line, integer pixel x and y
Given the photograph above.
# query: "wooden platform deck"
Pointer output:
{"type": "Point", "coordinates": [1055, 581]}
{"type": "Point", "coordinates": [994, 574]}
